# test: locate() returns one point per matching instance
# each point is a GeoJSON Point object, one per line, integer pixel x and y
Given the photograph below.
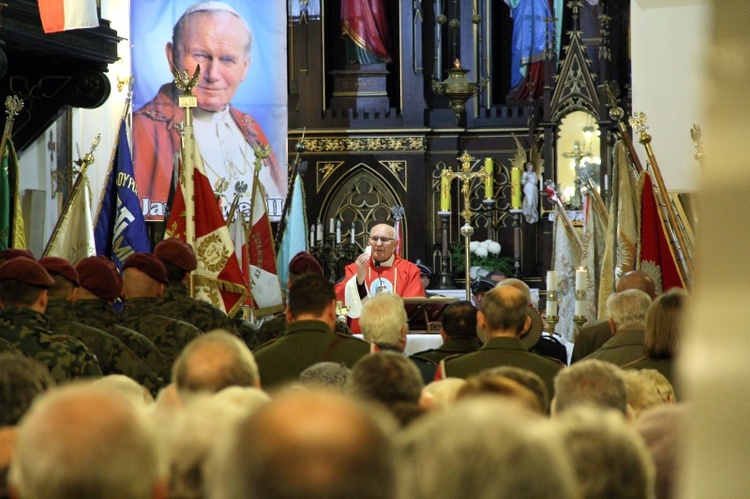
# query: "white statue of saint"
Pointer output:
{"type": "Point", "coordinates": [530, 194]}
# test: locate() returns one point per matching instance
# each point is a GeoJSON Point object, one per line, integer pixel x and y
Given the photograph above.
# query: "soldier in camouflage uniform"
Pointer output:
{"type": "Point", "coordinates": [114, 357]}
{"type": "Point", "coordinates": [101, 285]}
{"type": "Point", "coordinates": [23, 292]}
{"type": "Point", "coordinates": [144, 277]}
{"type": "Point", "coordinates": [179, 260]}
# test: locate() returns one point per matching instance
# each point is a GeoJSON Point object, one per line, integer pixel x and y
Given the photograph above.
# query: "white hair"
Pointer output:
{"type": "Point", "coordinates": [382, 320]}
{"type": "Point", "coordinates": [84, 441]}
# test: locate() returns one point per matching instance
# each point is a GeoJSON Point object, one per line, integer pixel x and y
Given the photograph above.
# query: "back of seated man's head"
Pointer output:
{"type": "Point", "coordinates": [637, 279]}
{"type": "Point", "coordinates": [496, 276]}
{"type": "Point", "coordinates": [627, 309]}
{"type": "Point", "coordinates": [529, 379]}
{"type": "Point", "coordinates": [519, 285]}
{"type": "Point", "coordinates": [84, 441]}
{"type": "Point", "coordinates": [384, 321]}
{"type": "Point", "coordinates": [143, 276]}
{"type": "Point", "coordinates": [388, 378]}
{"type": "Point", "coordinates": [24, 284]}
{"type": "Point", "coordinates": [609, 457]}
{"type": "Point", "coordinates": [21, 380]}
{"type": "Point", "coordinates": [505, 308]}
{"type": "Point", "coordinates": [310, 294]}
{"type": "Point", "coordinates": [459, 320]}
{"type": "Point", "coordinates": [590, 382]}
{"type": "Point", "coordinates": [307, 444]}
{"type": "Point", "coordinates": [214, 361]}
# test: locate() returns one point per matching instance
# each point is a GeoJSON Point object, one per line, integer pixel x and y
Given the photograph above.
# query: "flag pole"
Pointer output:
{"type": "Point", "coordinates": [261, 153]}
{"type": "Point", "coordinates": [83, 164]}
{"type": "Point", "coordinates": [13, 106]}
{"type": "Point", "coordinates": [16, 237]}
{"type": "Point", "coordinates": [187, 100]}
{"type": "Point", "coordinates": [289, 193]}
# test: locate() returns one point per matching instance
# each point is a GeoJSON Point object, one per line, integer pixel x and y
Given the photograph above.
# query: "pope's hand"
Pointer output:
{"type": "Point", "coordinates": [362, 267]}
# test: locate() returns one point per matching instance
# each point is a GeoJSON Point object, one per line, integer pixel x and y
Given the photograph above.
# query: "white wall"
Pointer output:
{"type": "Point", "coordinates": [668, 40]}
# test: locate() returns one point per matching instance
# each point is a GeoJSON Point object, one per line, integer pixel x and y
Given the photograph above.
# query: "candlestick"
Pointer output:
{"type": "Point", "coordinates": [489, 182]}
{"type": "Point", "coordinates": [551, 293]}
{"type": "Point", "coordinates": [319, 231]}
{"type": "Point", "coordinates": [445, 193]}
{"type": "Point", "coordinates": [515, 187]}
{"type": "Point", "coordinates": [312, 235]}
{"type": "Point", "coordinates": [338, 231]}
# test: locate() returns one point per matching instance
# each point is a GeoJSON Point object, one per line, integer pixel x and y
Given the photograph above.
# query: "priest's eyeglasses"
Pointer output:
{"type": "Point", "coordinates": [382, 239]}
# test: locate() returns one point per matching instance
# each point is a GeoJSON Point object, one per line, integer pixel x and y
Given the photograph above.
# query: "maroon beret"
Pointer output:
{"type": "Point", "coordinates": [304, 262]}
{"type": "Point", "coordinates": [27, 271]}
{"type": "Point", "coordinates": [149, 265]}
{"type": "Point", "coordinates": [99, 276]}
{"type": "Point", "coordinates": [178, 253]}
{"type": "Point", "coordinates": [11, 253]}
{"type": "Point", "coordinates": [57, 265]}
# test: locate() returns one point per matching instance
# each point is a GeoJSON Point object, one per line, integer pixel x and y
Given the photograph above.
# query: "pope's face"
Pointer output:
{"type": "Point", "coordinates": [218, 42]}
{"type": "Point", "coordinates": [384, 243]}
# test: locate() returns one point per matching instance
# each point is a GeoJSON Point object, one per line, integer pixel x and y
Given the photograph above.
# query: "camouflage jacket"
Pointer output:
{"type": "Point", "coordinates": [101, 315]}
{"type": "Point", "coordinates": [65, 357]}
{"type": "Point", "coordinates": [169, 335]}
{"type": "Point", "coordinates": [114, 357]}
{"type": "Point", "coordinates": [178, 304]}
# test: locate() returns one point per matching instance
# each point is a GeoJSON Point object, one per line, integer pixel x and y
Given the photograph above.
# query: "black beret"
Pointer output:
{"type": "Point", "coordinates": [303, 262]}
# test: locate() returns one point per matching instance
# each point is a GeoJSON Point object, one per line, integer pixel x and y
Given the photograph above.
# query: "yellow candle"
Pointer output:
{"type": "Point", "coordinates": [445, 193]}
{"type": "Point", "coordinates": [489, 182]}
{"type": "Point", "coordinates": [515, 188]}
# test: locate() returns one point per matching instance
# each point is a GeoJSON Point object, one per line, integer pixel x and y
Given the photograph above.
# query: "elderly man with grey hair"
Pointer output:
{"type": "Point", "coordinates": [84, 441]}
{"type": "Point", "coordinates": [384, 324]}
{"type": "Point", "coordinates": [591, 382]}
{"type": "Point", "coordinates": [214, 361]}
{"type": "Point", "coordinates": [610, 458]}
{"type": "Point", "coordinates": [483, 447]}
{"type": "Point", "coordinates": [627, 320]}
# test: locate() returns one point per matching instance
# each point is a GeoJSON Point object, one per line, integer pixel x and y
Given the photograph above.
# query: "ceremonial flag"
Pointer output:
{"type": "Point", "coordinates": [655, 254]}
{"type": "Point", "coordinates": [120, 229]}
{"type": "Point", "coordinates": [12, 232]}
{"type": "Point", "coordinates": [62, 15]}
{"type": "Point", "coordinates": [294, 238]}
{"type": "Point", "coordinates": [218, 278]}
{"type": "Point", "coordinates": [565, 260]}
{"type": "Point", "coordinates": [264, 281]}
{"type": "Point", "coordinates": [622, 231]}
{"type": "Point", "coordinates": [73, 237]}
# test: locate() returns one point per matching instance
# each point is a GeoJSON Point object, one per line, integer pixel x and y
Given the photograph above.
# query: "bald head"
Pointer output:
{"type": "Point", "coordinates": [504, 312]}
{"type": "Point", "coordinates": [637, 279]}
{"type": "Point", "coordinates": [309, 444]}
{"type": "Point", "coordinates": [83, 441]}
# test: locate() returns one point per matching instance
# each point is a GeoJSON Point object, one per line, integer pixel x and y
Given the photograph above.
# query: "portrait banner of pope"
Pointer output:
{"type": "Point", "coordinates": [240, 46]}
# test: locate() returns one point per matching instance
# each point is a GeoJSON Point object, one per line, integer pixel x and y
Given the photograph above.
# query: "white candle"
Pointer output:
{"type": "Point", "coordinates": [338, 231]}
{"type": "Point", "coordinates": [581, 278]}
{"type": "Point", "coordinates": [319, 231]}
{"type": "Point", "coordinates": [331, 226]}
{"type": "Point", "coordinates": [551, 287]}
{"type": "Point", "coordinates": [312, 234]}
{"type": "Point", "coordinates": [352, 234]}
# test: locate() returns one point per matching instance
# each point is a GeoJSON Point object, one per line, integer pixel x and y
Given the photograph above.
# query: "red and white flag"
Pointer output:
{"type": "Point", "coordinates": [218, 278]}
{"type": "Point", "coordinates": [62, 15]}
{"type": "Point", "coordinates": [264, 280]}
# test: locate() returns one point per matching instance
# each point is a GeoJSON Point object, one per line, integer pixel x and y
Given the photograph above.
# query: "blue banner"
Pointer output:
{"type": "Point", "coordinates": [120, 229]}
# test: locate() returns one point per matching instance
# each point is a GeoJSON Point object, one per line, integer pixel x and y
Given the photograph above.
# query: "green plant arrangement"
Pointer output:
{"type": "Point", "coordinates": [485, 254]}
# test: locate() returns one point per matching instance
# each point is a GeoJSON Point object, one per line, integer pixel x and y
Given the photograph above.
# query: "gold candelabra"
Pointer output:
{"type": "Point", "coordinates": [465, 175]}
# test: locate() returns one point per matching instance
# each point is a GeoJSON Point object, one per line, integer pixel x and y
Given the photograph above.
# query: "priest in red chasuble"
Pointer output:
{"type": "Point", "coordinates": [379, 270]}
